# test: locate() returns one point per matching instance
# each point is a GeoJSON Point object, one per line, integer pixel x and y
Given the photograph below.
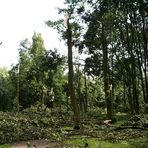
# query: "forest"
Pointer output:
{"type": "Point", "coordinates": [97, 99]}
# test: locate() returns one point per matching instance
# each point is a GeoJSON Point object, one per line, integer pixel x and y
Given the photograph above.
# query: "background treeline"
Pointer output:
{"type": "Point", "coordinates": [114, 77]}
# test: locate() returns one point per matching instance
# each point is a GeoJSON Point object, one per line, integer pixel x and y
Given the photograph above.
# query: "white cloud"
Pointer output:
{"type": "Point", "coordinates": [19, 19]}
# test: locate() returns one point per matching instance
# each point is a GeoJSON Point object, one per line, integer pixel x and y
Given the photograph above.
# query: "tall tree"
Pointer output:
{"type": "Point", "coordinates": [96, 40]}
{"type": "Point", "coordinates": [71, 73]}
{"type": "Point", "coordinates": [70, 31]}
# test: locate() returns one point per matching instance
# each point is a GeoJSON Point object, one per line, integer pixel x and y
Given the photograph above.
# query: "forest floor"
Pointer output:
{"type": "Point", "coordinates": [31, 129]}
{"type": "Point", "coordinates": [36, 144]}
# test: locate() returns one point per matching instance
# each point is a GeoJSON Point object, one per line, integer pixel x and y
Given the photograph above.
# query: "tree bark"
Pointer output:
{"type": "Point", "coordinates": [106, 74]}
{"type": "Point", "coordinates": [18, 90]}
{"type": "Point", "coordinates": [71, 77]}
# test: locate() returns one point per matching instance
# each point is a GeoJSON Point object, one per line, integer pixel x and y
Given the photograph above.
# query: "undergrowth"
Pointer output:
{"type": "Point", "coordinates": [32, 125]}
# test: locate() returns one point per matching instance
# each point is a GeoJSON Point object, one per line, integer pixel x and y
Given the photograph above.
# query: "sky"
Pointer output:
{"type": "Point", "coordinates": [19, 19]}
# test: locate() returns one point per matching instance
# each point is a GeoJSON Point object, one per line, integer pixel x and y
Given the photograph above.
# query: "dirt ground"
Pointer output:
{"type": "Point", "coordinates": [36, 144]}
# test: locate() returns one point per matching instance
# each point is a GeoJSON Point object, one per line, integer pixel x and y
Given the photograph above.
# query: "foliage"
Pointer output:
{"type": "Point", "coordinates": [115, 30]}
{"type": "Point", "coordinates": [137, 120]}
{"type": "Point", "coordinates": [17, 127]}
{"type": "Point", "coordinates": [6, 90]}
{"type": "Point", "coordinates": [113, 34]}
{"type": "Point", "coordinates": [35, 71]}
{"type": "Point", "coordinates": [31, 124]}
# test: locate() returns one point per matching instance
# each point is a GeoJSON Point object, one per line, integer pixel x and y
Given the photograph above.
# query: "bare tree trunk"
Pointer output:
{"type": "Point", "coordinates": [141, 75]}
{"type": "Point", "coordinates": [86, 96]}
{"type": "Point", "coordinates": [71, 78]}
{"type": "Point", "coordinates": [17, 91]}
{"type": "Point", "coordinates": [79, 93]}
{"type": "Point", "coordinates": [106, 74]}
{"type": "Point", "coordinates": [130, 100]}
{"type": "Point", "coordinates": [145, 46]}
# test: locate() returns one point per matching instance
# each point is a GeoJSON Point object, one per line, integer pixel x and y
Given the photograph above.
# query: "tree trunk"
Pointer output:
{"type": "Point", "coordinates": [18, 90]}
{"type": "Point", "coordinates": [145, 47]}
{"type": "Point", "coordinates": [130, 99]}
{"type": "Point", "coordinates": [85, 97]}
{"type": "Point", "coordinates": [106, 74]}
{"type": "Point", "coordinates": [79, 93]}
{"type": "Point", "coordinates": [71, 78]}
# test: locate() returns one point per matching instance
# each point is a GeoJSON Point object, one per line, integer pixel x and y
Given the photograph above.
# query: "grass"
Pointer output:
{"type": "Point", "coordinates": [94, 143]}
{"type": "Point", "coordinates": [79, 141]}
{"type": "Point", "coordinates": [4, 146]}
{"type": "Point", "coordinates": [139, 143]}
